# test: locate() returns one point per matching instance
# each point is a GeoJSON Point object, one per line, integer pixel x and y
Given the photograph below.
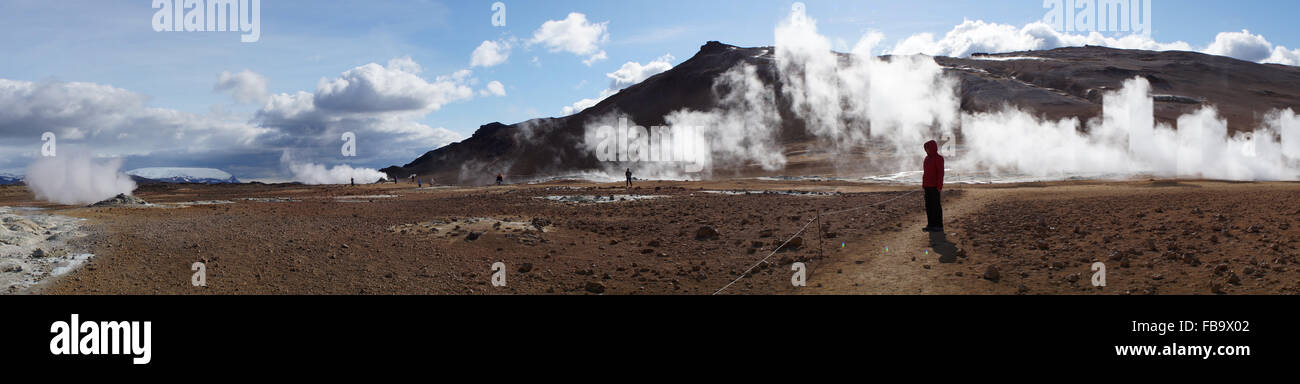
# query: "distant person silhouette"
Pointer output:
{"type": "Point", "coordinates": [500, 179]}
{"type": "Point", "coordinates": [629, 177]}
{"type": "Point", "coordinates": [353, 181]}
{"type": "Point", "coordinates": [932, 182]}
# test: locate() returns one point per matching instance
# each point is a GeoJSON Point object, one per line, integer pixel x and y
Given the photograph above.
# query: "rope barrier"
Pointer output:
{"type": "Point", "coordinates": [801, 230]}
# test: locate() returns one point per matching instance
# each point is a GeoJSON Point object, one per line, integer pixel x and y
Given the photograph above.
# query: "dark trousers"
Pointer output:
{"type": "Point", "coordinates": [933, 208]}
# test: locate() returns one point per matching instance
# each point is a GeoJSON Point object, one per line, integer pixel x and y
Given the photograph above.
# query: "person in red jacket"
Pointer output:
{"type": "Point", "coordinates": [932, 182]}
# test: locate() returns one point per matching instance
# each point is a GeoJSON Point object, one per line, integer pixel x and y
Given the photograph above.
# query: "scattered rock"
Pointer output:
{"type": "Point", "coordinates": [473, 236]}
{"type": "Point", "coordinates": [595, 287]}
{"type": "Point", "coordinates": [38, 253]}
{"type": "Point", "coordinates": [707, 233]}
{"type": "Point", "coordinates": [121, 200]}
{"type": "Point", "coordinates": [992, 274]}
{"type": "Point", "coordinates": [793, 245]}
{"type": "Point", "coordinates": [525, 267]}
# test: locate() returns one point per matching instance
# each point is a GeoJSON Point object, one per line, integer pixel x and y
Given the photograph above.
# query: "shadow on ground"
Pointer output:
{"type": "Point", "coordinates": [946, 249]}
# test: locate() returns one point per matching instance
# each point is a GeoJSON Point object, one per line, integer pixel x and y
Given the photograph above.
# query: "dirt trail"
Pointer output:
{"type": "Point", "coordinates": [905, 260]}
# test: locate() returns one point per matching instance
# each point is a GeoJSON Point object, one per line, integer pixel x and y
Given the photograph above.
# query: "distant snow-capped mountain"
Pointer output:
{"type": "Point", "coordinates": [185, 175]}
{"type": "Point", "coordinates": [10, 179]}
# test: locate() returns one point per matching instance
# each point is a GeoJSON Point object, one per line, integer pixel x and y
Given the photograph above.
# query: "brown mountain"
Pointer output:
{"type": "Point", "coordinates": [1064, 82]}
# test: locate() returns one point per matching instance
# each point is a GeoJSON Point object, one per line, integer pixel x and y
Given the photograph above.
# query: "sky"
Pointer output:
{"type": "Point", "coordinates": [406, 77]}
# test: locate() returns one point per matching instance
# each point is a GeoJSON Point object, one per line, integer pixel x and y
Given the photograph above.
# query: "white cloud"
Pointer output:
{"type": "Point", "coordinates": [1282, 55]}
{"type": "Point", "coordinates": [977, 36]}
{"type": "Point", "coordinates": [397, 87]}
{"type": "Point", "coordinates": [490, 53]}
{"type": "Point", "coordinates": [114, 121]}
{"type": "Point", "coordinates": [1251, 47]}
{"type": "Point", "coordinates": [405, 64]}
{"type": "Point", "coordinates": [1241, 45]}
{"type": "Point", "coordinates": [631, 73]}
{"type": "Point", "coordinates": [494, 88]}
{"type": "Point", "coordinates": [575, 35]}
{"type": "Point", "coordinates": [580, 105]}
{"type": "Point", "coordinates": [246, 86]}
{"type": "Point", "coordinates": [382, 105]}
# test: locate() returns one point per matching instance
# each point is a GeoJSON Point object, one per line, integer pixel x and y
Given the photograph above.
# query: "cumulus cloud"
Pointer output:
{"type": "Point", "coordinates": [574, 35]}
{"type": "Point", "coordinates": [631, 73]}
{"type": "Point", "coordinates": [1241, 45]}
{"type": "Point", "coordinates": [246, 86]}
{"type": "Point", "coordinates": [977, 36]}
{"type": "Point", "coordinates": [1251, 47]}
{"type": "Point", "coordinates": [112, 121]}
{"type": "Point", "coordinates": [381, 105]}
{"type": "Point", "coordinates": [396, 87]}
{"type": "Point", "coordinates": [490, 53]}
{"type": "Point", "coordinates": [580, 105]}
{"type": "Point", "coordinates": [494, 88]}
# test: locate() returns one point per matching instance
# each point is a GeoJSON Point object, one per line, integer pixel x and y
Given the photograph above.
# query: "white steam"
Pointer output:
{"type": "Point", "coordinates": [317, 174]}
{"type": "Point", "coordinates": [77, 179]}
{"type": "Point", "coordinates": [892, 106]}
{"type": "Point", "coordinates": [1126, 141]}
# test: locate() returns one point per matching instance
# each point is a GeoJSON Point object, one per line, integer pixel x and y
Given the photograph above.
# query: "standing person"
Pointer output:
{"type": "Point", "coordinates": [932, 182]}
{"type": "Point", "coordinates": [353, 181]}
{"type": "Point", "coordinates": [500, 179]}
{"type": "Point", "coordinates": [629, 177]}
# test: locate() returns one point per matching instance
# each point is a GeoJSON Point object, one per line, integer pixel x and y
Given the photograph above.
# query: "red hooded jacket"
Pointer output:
{"type": "Point", "coordinates": [933, 177]}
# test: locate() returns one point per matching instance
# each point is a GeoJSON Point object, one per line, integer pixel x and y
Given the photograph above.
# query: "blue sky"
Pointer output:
{"type": "Point", "coordinates": [302, 42]}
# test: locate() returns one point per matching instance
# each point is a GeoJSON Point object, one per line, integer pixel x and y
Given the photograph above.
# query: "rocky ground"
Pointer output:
{"type": "Point", "coordinates": [1154, 237]}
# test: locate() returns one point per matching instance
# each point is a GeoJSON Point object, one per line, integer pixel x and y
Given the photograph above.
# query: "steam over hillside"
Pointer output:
{"type": "Point", "coordinates": [800, 108]}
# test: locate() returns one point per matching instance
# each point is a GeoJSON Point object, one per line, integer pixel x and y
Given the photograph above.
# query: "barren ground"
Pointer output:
{"type": "Point", "coordinates": [1155, 237]}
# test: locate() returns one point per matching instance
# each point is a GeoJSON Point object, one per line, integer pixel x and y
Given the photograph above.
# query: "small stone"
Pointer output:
{"type": "Point", "coordinates": [38, 253]}
{"type": "Point", "coordinates": [1216, 288]}
{"type": "Point", "coordinates": [596, 288]}
{"type": "Point", "coordinates": [525, 267]}
{"type": "Point", "coordinates": [707, 233]}
{"type": "Point", "coordinates": [992, 274]}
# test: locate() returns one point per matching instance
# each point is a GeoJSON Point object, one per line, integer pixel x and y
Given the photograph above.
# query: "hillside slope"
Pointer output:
{"type": "Point", "coordinates": [1054, 84]}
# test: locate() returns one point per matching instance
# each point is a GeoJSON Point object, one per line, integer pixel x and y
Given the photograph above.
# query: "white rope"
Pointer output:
{"type": "Point", "coordinates": [796, 234]}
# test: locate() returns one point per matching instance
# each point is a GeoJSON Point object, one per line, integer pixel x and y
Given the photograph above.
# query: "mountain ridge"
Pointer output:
{"type": "Point", "coordinates": [1053, 84]}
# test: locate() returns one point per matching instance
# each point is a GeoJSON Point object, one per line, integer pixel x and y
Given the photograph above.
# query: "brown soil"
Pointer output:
{"type": "Point", "coordinates": [1155, 237]}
